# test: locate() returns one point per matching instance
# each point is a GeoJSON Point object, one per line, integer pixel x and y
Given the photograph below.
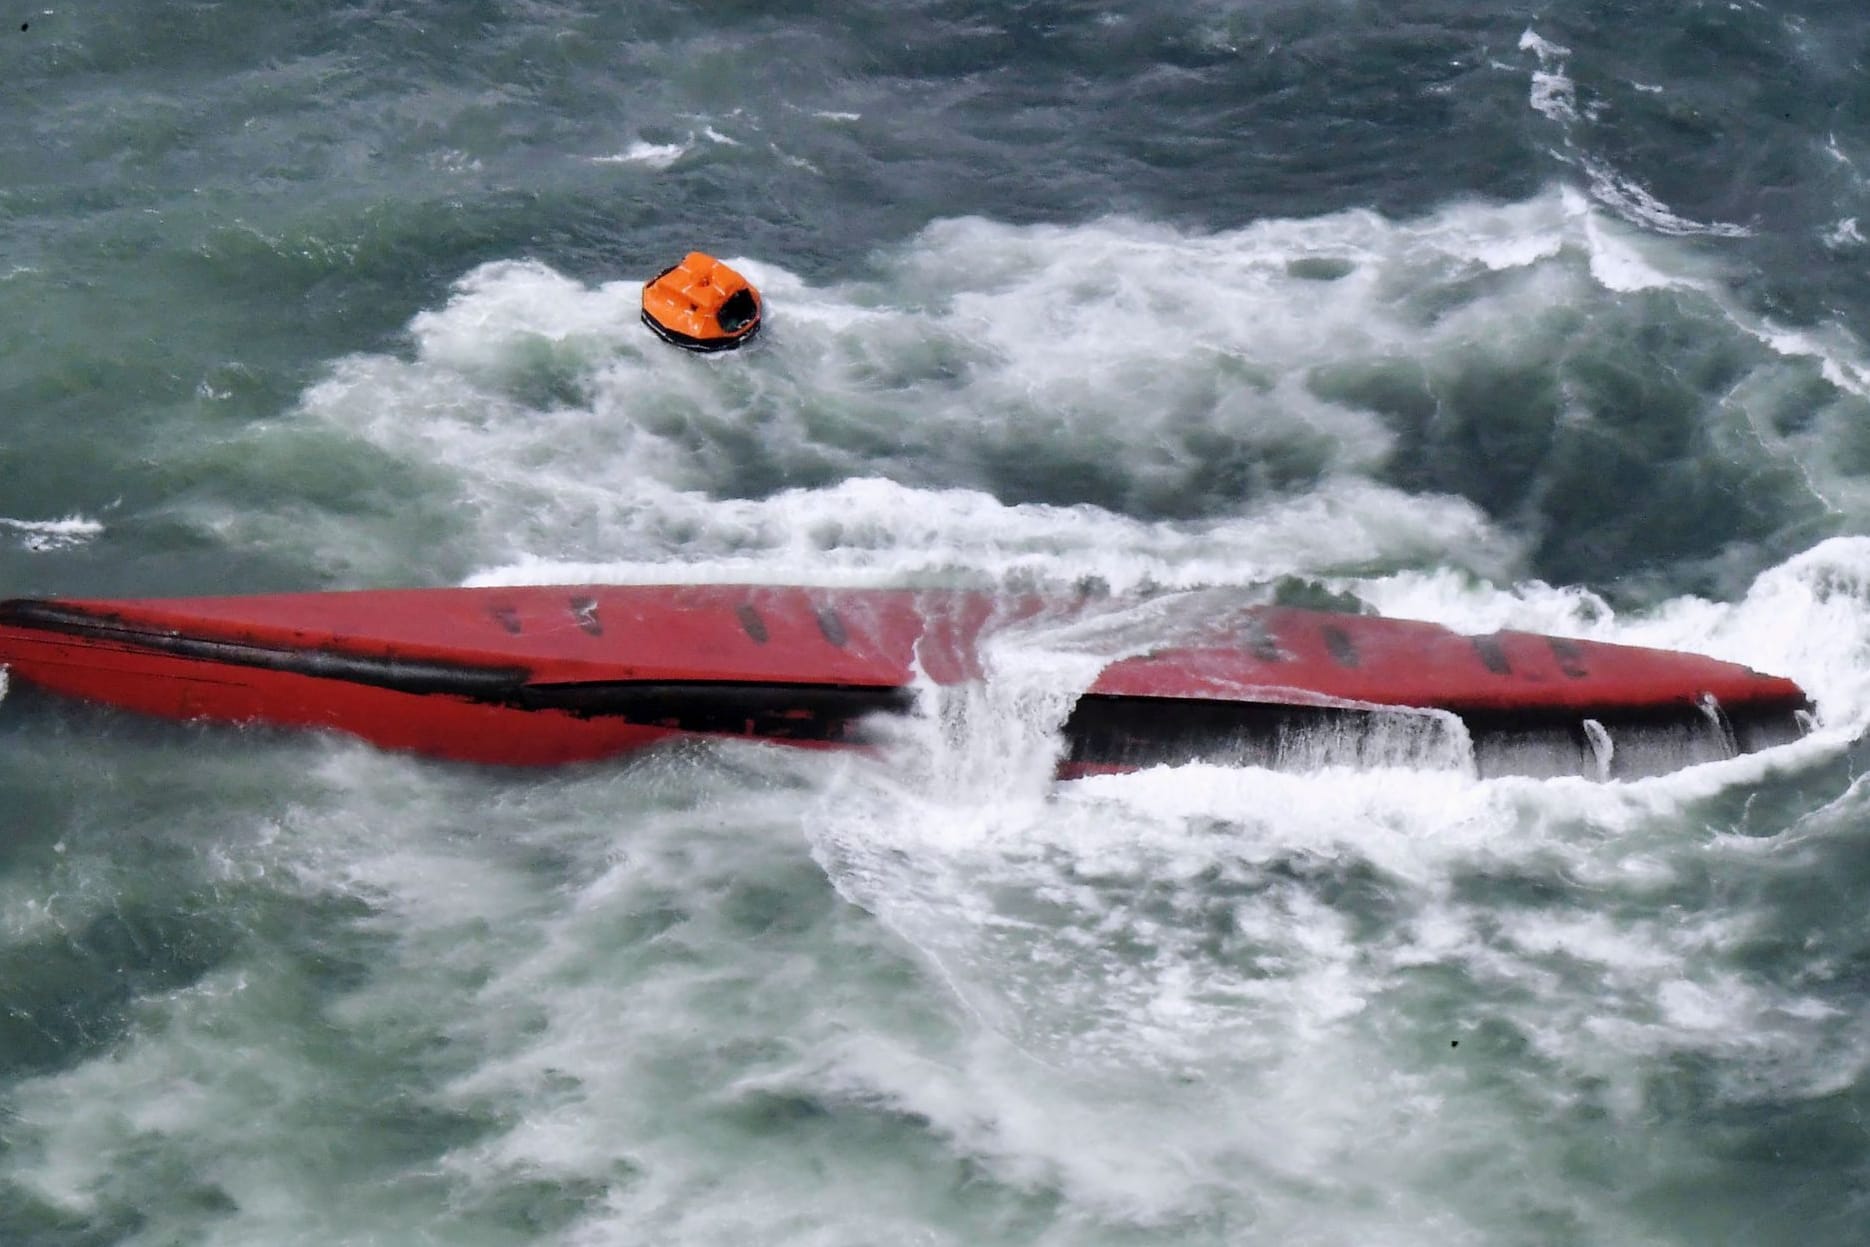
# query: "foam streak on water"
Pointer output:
{"type": "Point", "coordinates": [52, 534]}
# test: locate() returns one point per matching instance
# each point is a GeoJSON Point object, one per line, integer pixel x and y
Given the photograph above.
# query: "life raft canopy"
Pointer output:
{"type": "Point", "coordinates": [701, 305]}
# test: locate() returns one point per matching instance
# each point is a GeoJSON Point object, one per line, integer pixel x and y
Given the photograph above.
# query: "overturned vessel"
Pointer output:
{"type": "Point", "coordinates": [549, 674]}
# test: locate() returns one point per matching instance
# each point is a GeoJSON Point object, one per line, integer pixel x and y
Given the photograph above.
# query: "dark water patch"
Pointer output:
{"type": "Point", "coordinates": [345, 1093]}
{"type": "Point", "coordinates": [779, 1112]}
{"type": "Point", "coordinates": [1609, 439]}
{"type": "Point", "coordinates": [1450, 1016]}
{"type": "Point", "coordinates": [1517, 887]}
{"type": "Point", "coordinates": [541, 374]}
{"type": "Point", "coordinates": [877, 1140]}
{"type": "Point", "coordinates": [76, 992]}
{"type": "Point", "coordinates": [787, 902]}
{"type": "Point", "coordinates": [1321, 268]}
{"type": "Point", "coordinates": [157, 797]}
{"type": "Point", "coordinates": [151, 1182]}
{"type": "Point", "coordinates": [1802, 891]}
{"type": "Point", "coordinates": [73, 995]}
{"type": "Point", "coordinates": [1038, 105]}
{"type": "Point", "coordinates": [533, 1207]}
{"type": "Point", "coordinates": [1849, 416]}
{"type": "Point", "coordinates": [1784, 799]}
{"type": "Point", "coordinates": [156, 1179]}
{"type": "Point", "coordinates": [129, 750]}
{"type": "Point", "coordinates": [28, 1220]}
{"type": "Point", "coordinates": [738, 451]}
{"type": "Point", "coordinates": [1787, 1170]}
{"type": "Point", "coordinates": [1205, 460]}
{"type": "Point", "coordinates": [1139, 920]}
{"type": "Point", "coordinates": [1307, 594]}
{"type": "Point", "coordinates": [165, 558]}
{"type": "Point", "coordinates": [1495, 412]}
{"type": "Point", "coordinates": [1371, 903]}
{"type": "Point", "coordinates": [1495, 1056]}
{"type": "Point", "coordinates": [390, 1125]}
{"type": "Point", "coordinates": [1734, 114]}
{"type": "Point", "coordinates": [1227, 472]}
{"type": "Point", "coordinates": [1020, 470]}
{"type": "Point", "coordinates": [1229, 91]}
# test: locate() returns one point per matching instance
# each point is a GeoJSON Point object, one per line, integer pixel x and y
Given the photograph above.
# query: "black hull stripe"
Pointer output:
{"type": "Point", "coordinates": [402, 675]}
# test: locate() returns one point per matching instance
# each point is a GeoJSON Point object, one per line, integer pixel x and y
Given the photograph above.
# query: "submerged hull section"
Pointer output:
{"type": "Point", "coordinates": [546, 675]}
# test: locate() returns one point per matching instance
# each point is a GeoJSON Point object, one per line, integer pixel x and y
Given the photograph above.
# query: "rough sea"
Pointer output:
{"type": "Point", "coordinates": [1552, 315]}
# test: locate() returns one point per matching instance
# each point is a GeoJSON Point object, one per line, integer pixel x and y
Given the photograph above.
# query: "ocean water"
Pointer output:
{"type": "Point", "coordinates": [1549, 316]}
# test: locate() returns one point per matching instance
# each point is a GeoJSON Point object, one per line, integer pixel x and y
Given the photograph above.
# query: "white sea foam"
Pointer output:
{"type": "Point", "coordinates": [1625, 262]}
{"type": "Point", "coordinates": [640, 152]}
{"type": "Point", "coordinates": [60, 534]}
{"type": "Point", "coordinates": [1242, 980]}
{"type": "Point", "coordinates": [870, 531]}
{"type": "Point", "coordinates": [581, 449]}
{"type": "Point", "coordinates": [1554, 95]}
{"type": "Point", "coordinates": [1632, 201]}
{"type": "Point", "coordinates": [797, 162]}
{"type": "Point", "coordinates": [630, 457]}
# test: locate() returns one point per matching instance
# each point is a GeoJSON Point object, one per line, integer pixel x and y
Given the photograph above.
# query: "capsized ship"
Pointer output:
{"type": "Point", "coordinates": [543, 675]}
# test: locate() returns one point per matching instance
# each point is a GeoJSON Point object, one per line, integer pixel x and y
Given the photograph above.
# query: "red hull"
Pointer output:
{"type": "Point", "coordinates": [542, 675]}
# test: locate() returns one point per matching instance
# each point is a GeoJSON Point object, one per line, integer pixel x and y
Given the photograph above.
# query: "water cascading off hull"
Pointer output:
{"type": "Point", "coordinates": [543, 675]}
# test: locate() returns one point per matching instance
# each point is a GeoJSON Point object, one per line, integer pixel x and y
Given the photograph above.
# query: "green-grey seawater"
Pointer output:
{"type": "Point", "coordinates": [1534, 316]}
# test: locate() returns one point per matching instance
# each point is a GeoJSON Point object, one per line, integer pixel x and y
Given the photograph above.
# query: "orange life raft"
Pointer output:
{"type": "Point", "coordinates": [701, 305]}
